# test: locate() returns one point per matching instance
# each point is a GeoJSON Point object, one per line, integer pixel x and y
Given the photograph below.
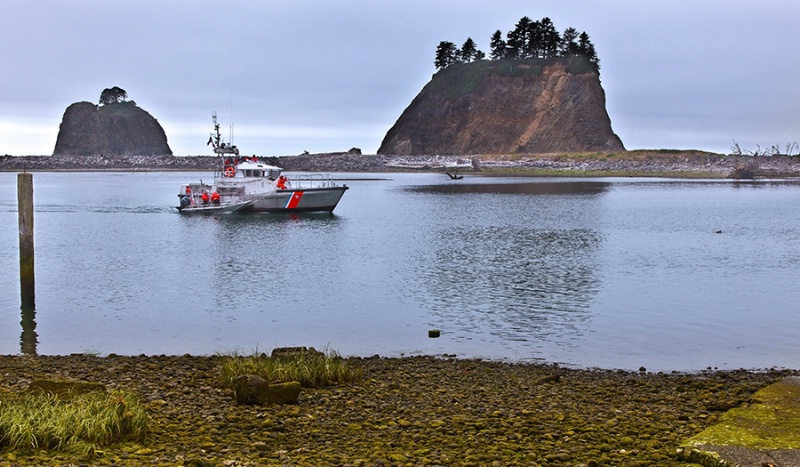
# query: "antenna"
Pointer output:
{"type": "Point", "coordinates": [221, 147]}
{"type": "Point", "coordinates": [230, 114]}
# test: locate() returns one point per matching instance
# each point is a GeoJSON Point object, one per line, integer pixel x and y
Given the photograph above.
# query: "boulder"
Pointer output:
{"type": "Point", "coordinates": [295, 352]}
{"type": "Point", "coordinates": [255, 390]}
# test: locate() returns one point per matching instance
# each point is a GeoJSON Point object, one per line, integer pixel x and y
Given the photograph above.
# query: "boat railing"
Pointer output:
{"type": "Point", "coordinates": [195, 192]}
{"type": "Point", "coordinates": [311, 181]}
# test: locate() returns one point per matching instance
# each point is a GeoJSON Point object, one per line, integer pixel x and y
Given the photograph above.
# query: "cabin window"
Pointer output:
{"type": "Point", "coordinates": [231, 191]}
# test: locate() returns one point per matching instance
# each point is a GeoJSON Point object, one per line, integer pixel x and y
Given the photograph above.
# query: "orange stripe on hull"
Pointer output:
{"type": "Point", "coordinates": [294, 200]}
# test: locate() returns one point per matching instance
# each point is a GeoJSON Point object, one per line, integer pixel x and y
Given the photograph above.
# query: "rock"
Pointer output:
{"type": "Point", "coordinates": [293, 352]}
{"type": "Point", "coordinates": [120, 128]}
{"type": "Point", "coordinates": [548, 379]}
{"type": "Point", "coordinates": [255, 390]}
{"type": "Point", "coordinates": [506, 106]}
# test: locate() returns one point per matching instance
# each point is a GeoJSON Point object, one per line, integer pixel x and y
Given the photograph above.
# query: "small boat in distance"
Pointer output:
{"type": "Point", "coordinates": [245, 184]}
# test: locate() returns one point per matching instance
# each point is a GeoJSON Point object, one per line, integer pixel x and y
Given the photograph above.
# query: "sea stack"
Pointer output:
{"type": "Point", "coordinates": [115, 127]}
{"type": "Point", "coordinates": [505, 107]}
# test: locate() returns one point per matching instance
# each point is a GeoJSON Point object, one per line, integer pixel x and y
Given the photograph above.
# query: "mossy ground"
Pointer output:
{"type": "Point", "coordinates": [406, 411]}
{"type": "Point", "coordinates": [771, 420]}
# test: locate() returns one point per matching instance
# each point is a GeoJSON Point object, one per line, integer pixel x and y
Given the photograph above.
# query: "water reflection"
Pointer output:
{"type": "Point", "coordinates": [521, 188]}
{"type": "Point", "coordinates": [28, 339]}
{"type": "Point", "coordinates": [521, 285]}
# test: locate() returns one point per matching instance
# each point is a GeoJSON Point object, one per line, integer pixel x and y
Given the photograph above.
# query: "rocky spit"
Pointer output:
{"type": "Point", "coordinates": [625, 163]}
{"type": "Point", "coordinates": [411, 411]}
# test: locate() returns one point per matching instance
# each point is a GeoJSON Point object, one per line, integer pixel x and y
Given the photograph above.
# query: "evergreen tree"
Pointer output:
{"type": "Point", "coordinates": [468, 51]}
{"type": "Point", "coordinates": [568, 45]}
{"type": "Point", "coordinates": [446, 55]}
{"type": "Point", "coordinates": [550, 38]}
{"type": "Point", "coordinates": [528, 39]}
{"type": "Point", "coordinates": [517, 40]}
{"type": "Point", "coordinates": [533, 40]}
{"type": "Point", "coordinates": [113, 95]}
{"type": "Point", "coordinates": [585, 47]}
{"type": "Point", "coordinates": [497, 46]}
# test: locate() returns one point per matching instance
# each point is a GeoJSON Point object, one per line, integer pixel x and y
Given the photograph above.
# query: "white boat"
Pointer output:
{"type": "Point", "coordinates": [245, 184]}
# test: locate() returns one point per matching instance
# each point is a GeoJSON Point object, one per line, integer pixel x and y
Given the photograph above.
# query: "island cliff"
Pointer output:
{"type": "Point", "coordinates": [117, 128]}
{"type": "Point", "coordinates": [507, 107]}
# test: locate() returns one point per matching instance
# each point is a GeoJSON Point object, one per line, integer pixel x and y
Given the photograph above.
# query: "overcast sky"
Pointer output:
{"type": "Point", "coordinates": [329, 75]}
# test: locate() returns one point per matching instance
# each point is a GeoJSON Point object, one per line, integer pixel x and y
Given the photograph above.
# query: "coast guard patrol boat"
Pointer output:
{"type": "Point", "coordinates": [245, 184]}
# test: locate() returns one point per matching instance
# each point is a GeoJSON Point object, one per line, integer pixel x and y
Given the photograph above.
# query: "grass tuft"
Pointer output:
{"type": "Point", "coordinates": [38, 420]}
{"type": "Point", "coordinates": [310, 369]}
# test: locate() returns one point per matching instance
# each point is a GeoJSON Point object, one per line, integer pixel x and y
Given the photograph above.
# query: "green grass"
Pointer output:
{"type": "Point", "coordinates": [310, 369]}
{"type": "Point", "coordinates": [579, 64]}
{"type": "Point", "coordinates": [39, 420]}
{"type": "Point", "coordinates": [460, 79]}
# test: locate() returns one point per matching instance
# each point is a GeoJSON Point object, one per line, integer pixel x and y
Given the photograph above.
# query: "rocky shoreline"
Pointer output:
{"type": "Point", "coordinates": [626, 163]}
{"type": "Point", "coordinates": [432, 411]}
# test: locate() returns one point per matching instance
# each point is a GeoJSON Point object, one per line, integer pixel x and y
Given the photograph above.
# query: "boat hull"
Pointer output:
{"type": "Point", "coordinates": [225, 208]}
{"type": "Point", "coordinates": [299, 200]}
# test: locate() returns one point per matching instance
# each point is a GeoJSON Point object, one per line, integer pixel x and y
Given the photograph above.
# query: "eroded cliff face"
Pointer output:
{"type": "Point", "coordinates": [121, 129]}
{"type": "Point", "coordinates": [498, 107]}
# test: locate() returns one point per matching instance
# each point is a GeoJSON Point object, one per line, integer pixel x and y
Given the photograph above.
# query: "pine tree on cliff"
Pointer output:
{"type": "Point", "coordinates": [446, 55]}
{"type": "Point", "coordinates": [550, 38]}
{"type": "Point", "coordinates": [517, 40]}
{"type": "Point", "coordinates": [113, 95]}
{"type": "Point", "coordinates": [528, 39]}
{"type": "Point", "coordinates": [587, 48]}
{"type": "Point", "coordinates": [468, 51]}
{"type": "Point", "coordinates": [497, 46]}
{"type": "Point", "coordinates": [569, 44]}
{"type": "Point", "coordinates": [533, 39]}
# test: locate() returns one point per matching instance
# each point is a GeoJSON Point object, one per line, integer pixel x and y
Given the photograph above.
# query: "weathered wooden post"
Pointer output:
{"type": "Point", "coordinates": [25, 206]}
{"type": "Point", "coordinates": [28, 338]}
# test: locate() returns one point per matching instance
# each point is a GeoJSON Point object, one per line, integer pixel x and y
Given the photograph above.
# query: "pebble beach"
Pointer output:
{"type": "Point", "coordinates": [410, 411]}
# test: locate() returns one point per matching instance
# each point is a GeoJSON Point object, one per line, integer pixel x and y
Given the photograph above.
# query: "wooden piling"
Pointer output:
{"type": "Point", "coordinates": [25, 206]}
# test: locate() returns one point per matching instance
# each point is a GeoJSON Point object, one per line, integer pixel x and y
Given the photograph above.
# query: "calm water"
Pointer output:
{"type": "Point", "coordinates": [614, 273]}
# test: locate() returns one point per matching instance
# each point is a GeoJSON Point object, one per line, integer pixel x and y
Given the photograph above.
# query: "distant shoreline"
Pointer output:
{"type": "Point", "coordinates": [640, 163]}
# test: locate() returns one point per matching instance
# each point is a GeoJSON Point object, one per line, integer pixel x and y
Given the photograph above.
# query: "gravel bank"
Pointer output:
{"type": "Point", "coordinates": [406, 412]}
{"type": "Point", "coordinates": [626, 163]}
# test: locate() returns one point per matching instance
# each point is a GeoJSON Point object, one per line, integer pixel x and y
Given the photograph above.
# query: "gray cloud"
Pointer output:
{"type": "Point", "coordinates": [327, 76]}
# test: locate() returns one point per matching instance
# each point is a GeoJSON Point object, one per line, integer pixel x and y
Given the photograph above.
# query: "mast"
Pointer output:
{"type": "Point", "coordinates": [220, 147]}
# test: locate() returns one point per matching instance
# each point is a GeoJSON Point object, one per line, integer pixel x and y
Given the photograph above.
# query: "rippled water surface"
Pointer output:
{"type": "Point", "coordinates": [615, 273]}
